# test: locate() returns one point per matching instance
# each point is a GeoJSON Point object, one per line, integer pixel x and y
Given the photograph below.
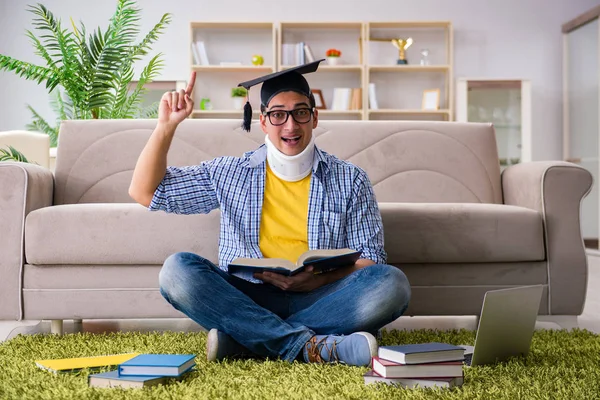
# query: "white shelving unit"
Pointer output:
{"type": "Point", "coordinates": [364, 60]}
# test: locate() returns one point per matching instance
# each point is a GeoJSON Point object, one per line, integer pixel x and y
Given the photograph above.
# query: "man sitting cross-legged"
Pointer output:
{"type": "Point", "coordinates": [282, 199]}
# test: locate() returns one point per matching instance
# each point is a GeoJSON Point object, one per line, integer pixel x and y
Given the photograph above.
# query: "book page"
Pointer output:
{"type": "Point", "coordinates": [312, 255]}
{"type": "Point", "coordinates": [265, 262]}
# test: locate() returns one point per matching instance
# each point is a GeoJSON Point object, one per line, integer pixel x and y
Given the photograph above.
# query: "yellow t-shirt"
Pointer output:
{"type": "Point", "coordinates": [284, 220]}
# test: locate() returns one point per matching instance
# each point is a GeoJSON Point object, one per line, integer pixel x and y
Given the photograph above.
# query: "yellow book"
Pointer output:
{"type": "Point", "coordinates": [69, 364]}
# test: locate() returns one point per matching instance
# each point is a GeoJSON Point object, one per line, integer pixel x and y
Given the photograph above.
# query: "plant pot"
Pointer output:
{"type": "Point", "coordinates": [238, 103]}
{"type": "Point", "coordinates": [333, 60]}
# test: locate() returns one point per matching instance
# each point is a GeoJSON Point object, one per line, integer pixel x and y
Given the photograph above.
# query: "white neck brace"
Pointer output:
{"type": "Point", "coordinates": [290, 168]}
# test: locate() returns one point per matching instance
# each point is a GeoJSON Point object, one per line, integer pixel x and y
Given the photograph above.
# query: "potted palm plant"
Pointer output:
{"type": "Point", "coordinates": [89, 75]}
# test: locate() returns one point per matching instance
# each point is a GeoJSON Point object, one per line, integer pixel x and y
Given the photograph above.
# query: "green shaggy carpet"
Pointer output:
{"type": "Point", "coordinates": [561, 364]}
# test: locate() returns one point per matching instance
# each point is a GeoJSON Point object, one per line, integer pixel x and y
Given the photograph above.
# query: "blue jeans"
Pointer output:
{"type": "Point", "coordinates": [274, 323]}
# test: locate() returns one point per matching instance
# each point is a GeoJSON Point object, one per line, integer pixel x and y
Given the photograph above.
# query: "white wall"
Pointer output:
{"type": "Point", "coordinates": [493, 38]}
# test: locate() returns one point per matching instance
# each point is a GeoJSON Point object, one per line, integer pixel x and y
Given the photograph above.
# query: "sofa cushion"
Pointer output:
{"type": "Point", "coordinates": [116, 233]}
{"type": "Point", "coordinates": [466, 233]}
{"type": "Point", "coordinates": [407, 161]}
{"type": "Point", "coordinates": [119, 233]}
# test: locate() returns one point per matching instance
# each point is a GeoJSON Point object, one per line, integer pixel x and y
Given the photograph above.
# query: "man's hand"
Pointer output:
{"type": "Point", "coordinates": [304, 281]}
{"type": "Point", "coordinates": [175, 106]}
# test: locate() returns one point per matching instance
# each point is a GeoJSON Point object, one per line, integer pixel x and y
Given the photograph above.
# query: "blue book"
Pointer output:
{"type": "Point", "coordinates": [422, 353]}
{"type": "Point", "coordinates": [113, 379]}
{"type": "Point", "coordinates": [158, 365]}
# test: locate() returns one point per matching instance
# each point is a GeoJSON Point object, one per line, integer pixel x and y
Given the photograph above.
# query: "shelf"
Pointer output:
{"type": "Point", "coordinates": [233, 68]}
{"type": "Point", "coordinates": [240, 41]}
{"type": "Point", "coordinates": [409, 111]}
{"type": "Point", "coordinates": [220, 113]}
{"type": "Point", "coordinates": [231, 25]}
{"type": "Point", "coordinates": [413, 24]}
{"type": "Point", "coordinates": [340, 112]}
{"type": "Point", "coordinates": [409, 68]}
{"type": "Point", "coordinates": [331, 68]}
{"type": "Point", "coordinates": [321, 25]}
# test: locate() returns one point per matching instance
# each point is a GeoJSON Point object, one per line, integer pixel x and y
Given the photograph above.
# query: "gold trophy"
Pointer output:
{"type": "Point", "coordinates": [402, 45]}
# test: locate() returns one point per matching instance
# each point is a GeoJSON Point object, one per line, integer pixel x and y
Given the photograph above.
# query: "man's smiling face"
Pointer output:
{"type": "Point", "coordinates": [292, 137]}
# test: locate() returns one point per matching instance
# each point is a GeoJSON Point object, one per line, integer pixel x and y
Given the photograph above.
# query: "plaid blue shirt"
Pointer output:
{"type": "Point", "coordinates": [342, 209]}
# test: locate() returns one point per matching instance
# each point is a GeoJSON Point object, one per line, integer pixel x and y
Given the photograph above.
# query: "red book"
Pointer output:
{"type": "Point", "coordinates": [390, 369]}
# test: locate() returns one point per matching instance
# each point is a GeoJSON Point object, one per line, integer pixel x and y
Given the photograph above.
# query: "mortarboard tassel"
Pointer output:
{"type": "Point", "coordinates": [247, 116]}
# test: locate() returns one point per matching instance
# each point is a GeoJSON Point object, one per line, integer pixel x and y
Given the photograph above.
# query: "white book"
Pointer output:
{"type": "Point", "coordinates": [341, 99]}
{"type": "Point", "coordinates": [195, 55]}
{"type": "Point", "coordinates": [300, 49]}
{"type": "Point", "coordinates": [372, 97]}
{"type": "Point", "coordinates": [287, 54]}
{"type": "Point", "coordinates": [336, 103]}
{"type": "Point", "coordinates": [202, 53]}
{"type": "Point", "coordinates": [347, 98]}
{"type": "Point", "coordinates": [308, 53]}
{"type": "Point", "coordinates": [371, 377]}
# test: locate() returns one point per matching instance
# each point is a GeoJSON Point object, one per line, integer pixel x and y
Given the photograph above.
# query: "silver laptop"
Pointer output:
{"type": "Point", "coordinates": [506, 325]}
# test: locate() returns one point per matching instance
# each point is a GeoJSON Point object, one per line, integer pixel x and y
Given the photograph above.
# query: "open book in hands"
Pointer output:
{"type": "Point", "coordinates": [320, 260]}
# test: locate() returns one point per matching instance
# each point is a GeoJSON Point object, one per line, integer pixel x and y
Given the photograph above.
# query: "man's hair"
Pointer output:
{"type": "Point", "coordinates": [311, 101]}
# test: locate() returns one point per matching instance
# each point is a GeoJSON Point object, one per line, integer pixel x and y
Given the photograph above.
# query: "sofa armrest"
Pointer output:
{"type": "Point", "coordinates": [555, 189]}
{"type": "Point", "coordinates": [23, 188]}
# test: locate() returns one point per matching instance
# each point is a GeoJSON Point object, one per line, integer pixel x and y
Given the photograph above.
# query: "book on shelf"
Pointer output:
{"type": "Point", "coordinates": [373, 105]}
{"type": "Point", "coordinates": [356, 101]}
{"type": "Point", "coordinates": [347, 99]}
{"type": "Point", "coordinates": [158, 365]}
{"type": "Point", "coordinates": [201, 53]}
{"type": "Point", "coordinates": [308, 53]}
{"type": "Point", "coordinates": [287, 54]}
{"type": "Point", "coordinates": [70, 364]}
{"type": "Point", "coordinates": [390, 369]}
{"type": "Point", "coordinates": [321, 260]}
{"type": "Point", "coordinates": [341, 99]}
{"type": "Point", "coordinates": [295, 53]}
{"type": "Point", "coordinates": [300, 53]}
{"type": "Point", "coordinates": [113, 379]}
{"type": "Point", "coordinates": [371, 377]}
{"type": "Point", "coordinates": [195, 55]}
{"type": "Point", "coordinates": [422, 353]}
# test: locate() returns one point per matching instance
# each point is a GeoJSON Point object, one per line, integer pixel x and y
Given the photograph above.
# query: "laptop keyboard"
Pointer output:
{"type": "Point", "coordinates": [468, 358]}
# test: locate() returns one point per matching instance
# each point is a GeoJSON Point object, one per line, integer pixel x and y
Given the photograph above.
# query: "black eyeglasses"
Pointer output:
{"type": "Point", "coordinates": [280, 117]}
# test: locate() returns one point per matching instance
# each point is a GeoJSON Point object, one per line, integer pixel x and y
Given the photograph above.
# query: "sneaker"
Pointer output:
{"type": "Point", "coordinates": [355, 349]}
{"type": "Point", "coordinates": [220, 345]}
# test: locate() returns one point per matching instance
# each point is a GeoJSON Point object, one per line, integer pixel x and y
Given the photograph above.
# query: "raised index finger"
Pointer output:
{"type": "Point", "coordinates": [190, 86]}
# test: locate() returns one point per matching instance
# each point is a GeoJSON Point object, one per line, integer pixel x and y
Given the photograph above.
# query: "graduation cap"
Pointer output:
{"type": "Point", "coordinates": [283, 81]}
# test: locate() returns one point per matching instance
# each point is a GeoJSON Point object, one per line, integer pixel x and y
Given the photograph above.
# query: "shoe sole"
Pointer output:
{"type": "Point", "coordinates": [373, 346]}
{"type": "Point", "coordinates": [212, 345]}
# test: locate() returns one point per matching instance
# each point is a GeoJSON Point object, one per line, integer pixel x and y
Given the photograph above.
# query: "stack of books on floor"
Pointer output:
{"type": "Point", "coordinates": [145, 370]}
{"type": "Point", "coordinates": [418, 365]}
{"type": "Point", "coordinates": [133, 370]}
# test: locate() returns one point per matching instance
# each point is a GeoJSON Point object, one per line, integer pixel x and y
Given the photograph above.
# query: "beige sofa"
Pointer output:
{"type": "Point", "coordinates": [75, 246]}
